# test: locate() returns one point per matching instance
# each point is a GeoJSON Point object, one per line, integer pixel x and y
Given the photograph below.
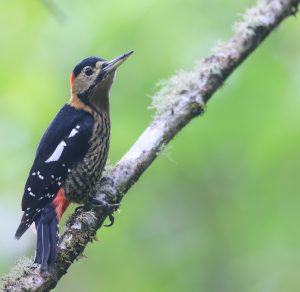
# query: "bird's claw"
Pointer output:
{"type": "Point", "coordinates": [99, 202]}
{"type": "Point", "coordinates": [107, 208]}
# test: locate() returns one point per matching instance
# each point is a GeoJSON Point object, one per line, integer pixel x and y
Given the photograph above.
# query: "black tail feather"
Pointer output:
{"type": "Point", "coordinates": [53, 240]}
{"type": "Point", "coordinates": [47, 238]}
{"type": "Point", "coordinates": [21, 230]}
{"type": "Point", "coordinates": [26, 221]}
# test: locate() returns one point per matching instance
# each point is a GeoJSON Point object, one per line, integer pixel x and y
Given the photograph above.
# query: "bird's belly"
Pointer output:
{"type": "Point", "coordinates": [83, 178]}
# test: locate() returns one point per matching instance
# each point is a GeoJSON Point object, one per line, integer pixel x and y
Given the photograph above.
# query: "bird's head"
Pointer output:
{"type": "Point", "coordinates": [91, 80]}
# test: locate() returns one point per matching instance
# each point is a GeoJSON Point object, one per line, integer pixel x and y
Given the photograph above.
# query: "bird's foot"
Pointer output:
{"type": "Point", "coordinates": [99, 201]}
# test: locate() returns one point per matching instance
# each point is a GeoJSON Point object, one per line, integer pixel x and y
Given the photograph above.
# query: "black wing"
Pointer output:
{"type": "Point", "coordinates": [62, 146]}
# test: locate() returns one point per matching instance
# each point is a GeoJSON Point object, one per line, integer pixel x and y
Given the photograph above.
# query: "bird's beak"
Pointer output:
{"type": "Point", "coordinates": [116, 62]}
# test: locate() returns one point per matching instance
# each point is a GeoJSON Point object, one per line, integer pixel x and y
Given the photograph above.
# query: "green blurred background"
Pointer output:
{"type": "Point", "coordinates": [219, 210]}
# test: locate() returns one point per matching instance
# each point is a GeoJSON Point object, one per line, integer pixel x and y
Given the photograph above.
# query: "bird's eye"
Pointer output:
{"type": "Point", "coordinates": [88, 71]}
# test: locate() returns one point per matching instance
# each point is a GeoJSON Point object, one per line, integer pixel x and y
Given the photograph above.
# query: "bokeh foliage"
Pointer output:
{"type": "Point", "coordinates": [219, 210]}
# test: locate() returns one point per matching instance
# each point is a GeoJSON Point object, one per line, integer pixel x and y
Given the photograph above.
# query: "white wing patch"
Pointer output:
{"type": "Point", "coordinates": [57, 152]}
{"type": "Point", "coordinates": [60, 147]}
{"type": "Point", "coordinates": [32, 194]}
{"type": "Point", "coordinates": [73, 133]}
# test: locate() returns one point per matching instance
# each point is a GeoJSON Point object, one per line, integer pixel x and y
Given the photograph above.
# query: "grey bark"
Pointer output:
{"type": "Point", "coordinates": [180, 100]}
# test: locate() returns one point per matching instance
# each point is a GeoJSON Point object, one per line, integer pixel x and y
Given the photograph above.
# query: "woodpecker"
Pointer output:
{"type": "Point", "coordinates": [71, 155]}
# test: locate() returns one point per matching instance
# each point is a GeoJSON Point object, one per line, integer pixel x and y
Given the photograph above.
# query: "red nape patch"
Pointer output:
{"type": "Point", "coordinates": [72, 78]}
{"type": "Point", "coordinates": [60, 203]}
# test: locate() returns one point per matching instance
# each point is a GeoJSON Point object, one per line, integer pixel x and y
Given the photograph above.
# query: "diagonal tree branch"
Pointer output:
{"type": "Point", "coordinates": [181, 99]}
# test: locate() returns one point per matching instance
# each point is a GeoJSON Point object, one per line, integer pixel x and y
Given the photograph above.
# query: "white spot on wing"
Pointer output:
{"type": "Point", "coordinates": [73, 133]}
{"type": "Point", "coordinates": [32, 194]}
{"type": "Point", "coordinates": [57, 152]}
